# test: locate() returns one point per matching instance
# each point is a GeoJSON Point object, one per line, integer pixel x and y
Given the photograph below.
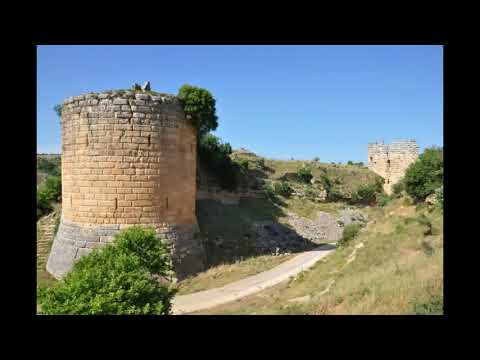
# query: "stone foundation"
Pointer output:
{"type": "Point", "coordinates": [72, 241]}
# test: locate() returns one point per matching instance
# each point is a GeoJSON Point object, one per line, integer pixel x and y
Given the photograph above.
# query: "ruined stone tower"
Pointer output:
{"type": "Point", "coordinates": [391, 161]}
{"type": "Point", "coordinates": [127, 159]}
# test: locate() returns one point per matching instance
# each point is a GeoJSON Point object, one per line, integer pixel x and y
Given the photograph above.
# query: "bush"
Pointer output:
{"type": "Point", "coordinates": [49, 192]}
{"type": "Point", "coordinates": [310, 192]}
{"type": "Point", "coordinates": [433, 306]}
{"type": "Point", "coordinates": [268, 191]}
{"type": "Point", "coordinates": [349, 233]}
{"type": "Point", "coordinates": [398, 188]}
{"type": "Point", "coordinates": [304, 174]}
{"type": "Point", "coordinates": [282, 188]}
{"type": "Point", "coordinates": [215, 156]}
{"type": "Point", "coordinates": [49, 166]}
{"type": "Point", "coordinates": [425, 221]}
{"type": "Point", "coordinates": [118, 279]}
{"type": "Point", "coordinates": [243, 164]}
{"type": "Point", "coordinates": [335, 195]}
{"type": "Point", "coordinates": [425, 175]}
{"type": "Point", "coordinates": [199, 105]}
{"type": "Point", "coordinates": [382, 199]}
{"type": "Point", "coordinates": [366, 195]}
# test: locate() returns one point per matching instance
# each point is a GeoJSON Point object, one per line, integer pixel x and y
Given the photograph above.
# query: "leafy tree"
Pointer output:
{"type": "Point", "coordinates": [49, 166]}
{"type": "Point", "coordinates": [121, 278]}
{"type": "Point", "coordinates": [199, 106]}
{"type": "Point", "coordinates": [425, 175]}
{"type": "Point", "coordinates": [214, 154]}
{"type": "Point", "coordinates": [48, 192]}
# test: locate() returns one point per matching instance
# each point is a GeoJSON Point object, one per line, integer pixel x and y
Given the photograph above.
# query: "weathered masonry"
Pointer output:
{"type": "Point", "coordinates": [391, 161]}
{"type": "Point", "coordinates": [127, 159]}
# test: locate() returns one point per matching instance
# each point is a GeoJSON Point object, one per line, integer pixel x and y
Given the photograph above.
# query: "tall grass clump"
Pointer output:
{"type": "Point", "coordinates": [349, 233]}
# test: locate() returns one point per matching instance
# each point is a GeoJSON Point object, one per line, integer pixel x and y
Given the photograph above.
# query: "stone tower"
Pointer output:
{"type": "Point", "coordinates": [391, 161]}
{"type": "Point", "coordinates": [127, 159]}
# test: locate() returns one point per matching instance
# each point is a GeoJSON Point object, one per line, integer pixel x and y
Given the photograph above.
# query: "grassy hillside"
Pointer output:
{"type": "Point", "coordinates": [393, 267]}
{"type": "Point", "coordinates": [345, 179]}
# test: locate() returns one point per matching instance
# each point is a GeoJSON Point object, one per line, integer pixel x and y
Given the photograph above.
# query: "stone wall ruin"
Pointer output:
{"type": "Point", "coordinates": [391, 161]}
{"type": "Point", "coordinates": [127, 159]}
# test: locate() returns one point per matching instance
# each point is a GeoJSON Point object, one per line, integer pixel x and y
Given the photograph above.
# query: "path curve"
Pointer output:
{"type": "Point", "coordinates": [201, 300]}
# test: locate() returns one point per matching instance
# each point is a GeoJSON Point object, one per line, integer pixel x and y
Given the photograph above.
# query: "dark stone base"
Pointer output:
{"type": "Point", "coordinates": [73, 241]}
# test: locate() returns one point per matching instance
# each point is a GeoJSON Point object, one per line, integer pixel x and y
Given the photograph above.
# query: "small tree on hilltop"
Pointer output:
{"type": "Point", "coordinates": [199, 106]}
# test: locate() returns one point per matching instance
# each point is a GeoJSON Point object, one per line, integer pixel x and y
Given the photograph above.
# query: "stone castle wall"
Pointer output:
{"type": "Point", "coordinates": [391, 161]}
{"type": "Point", "coordinates": [127, 159]}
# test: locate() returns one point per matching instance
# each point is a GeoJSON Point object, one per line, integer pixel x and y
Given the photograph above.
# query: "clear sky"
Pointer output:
{"type": "Point", "coordinates": [278, 101]}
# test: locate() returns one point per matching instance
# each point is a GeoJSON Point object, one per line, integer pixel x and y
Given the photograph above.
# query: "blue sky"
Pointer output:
{"type": "Point", "coordinates": [278, 101]}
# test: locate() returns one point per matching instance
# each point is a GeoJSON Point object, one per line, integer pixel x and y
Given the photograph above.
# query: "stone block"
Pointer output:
{"type": "Point", "coordinates": [120, 101]}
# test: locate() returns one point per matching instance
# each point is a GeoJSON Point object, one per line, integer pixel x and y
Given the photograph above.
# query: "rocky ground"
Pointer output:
{"type": "Point", "coordinates": [301, 233]}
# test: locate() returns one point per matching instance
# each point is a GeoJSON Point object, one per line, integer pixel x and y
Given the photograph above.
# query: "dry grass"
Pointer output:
{"type": "Point", "coordinates": [223, 274]}
{"type": "Point", "coordinates": [309, 209]}
{"type": "Point", "coordinates": [393, 273]}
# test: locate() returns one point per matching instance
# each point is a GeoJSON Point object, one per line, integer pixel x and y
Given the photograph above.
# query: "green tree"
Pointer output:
{"type": "Point", "coordinates": [215, 155]}
{"type": "Point", "coordinates": [425, 175]}
{"type": "Point", "coordinates": [199, 106]}
{"type": "Point", "coordinates": [121, 278]}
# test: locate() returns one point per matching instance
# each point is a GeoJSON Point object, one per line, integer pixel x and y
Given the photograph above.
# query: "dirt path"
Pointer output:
{"type": "Point", "coordinates": [209, 298]}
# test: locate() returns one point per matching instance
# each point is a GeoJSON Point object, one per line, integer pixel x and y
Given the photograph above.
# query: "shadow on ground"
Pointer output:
{"type": "Point", "coordinates": [251, 228]}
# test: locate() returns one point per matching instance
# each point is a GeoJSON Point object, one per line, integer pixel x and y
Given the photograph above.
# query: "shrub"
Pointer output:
{"type": "Point", "coordinates": [425, 221]}
{"type": "Point", "coordinates": [261, 163]}
{"type": "Point", "coordinates": [382, 199]}
{"type": "Point", "coordinates": [326, 182]}
{"type": "Point", "coordinates": [282, 188]}
{"type": "Point", "coordinates": [49, 166]}
{"type": "Point", "coordinates": [425, 175]}
{"type": "Point", "coordinates": [48, 192]}
{"type": "Point", "coordinates": [349, 232]}
{"type": "Point", "coordinates": [304, 174]}
{"type": "Point", "coordinates": [215, 156]}
{"type": "Point", "coordinates": [199, 105]}
{"type": "Point", "coordinates": [433, 306]}
{"type": "Point", "coordinates": [118, 279]}
{"type": "Point", "coordinates": [398, 188]}
{"type": "Point", "coordinates": [310, 192]}
{"type": "Point", "coordinates": [316, 159]}
{"type": "Point", "coordinates": [334, 195]}
{"type": "Point", "coordinates": [269, 192]}
{"type": "Point", "coordinates": [243, 163]}
{"type": "Point", "coordinates": [398, 228]}
{"type": "Point", "coordinates": [366, 194]}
